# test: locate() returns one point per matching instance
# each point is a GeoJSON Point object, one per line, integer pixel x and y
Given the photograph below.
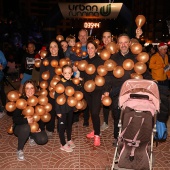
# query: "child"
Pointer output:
{"type": "Point", "coordinates": [65, 112]}
{"type": "Point", "coordinates": [69, 53]}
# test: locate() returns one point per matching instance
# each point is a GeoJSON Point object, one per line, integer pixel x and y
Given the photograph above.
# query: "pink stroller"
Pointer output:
{"type": "Point", "coordinates": [139, 103]}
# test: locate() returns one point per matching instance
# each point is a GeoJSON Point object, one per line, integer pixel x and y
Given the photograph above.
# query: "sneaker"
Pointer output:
{"type": "Point", "coordinates": [96, 140]}
{"type": "Point", "coordinates": [71, 144]}
{"type": "Point", "coordinates": [49, 134]}
{"type": "Point", "coordinates": [104, 126]}
{"type": "Point", "coordinates": [32, 142]}
{"type": "Point", "coordinates": [2, 114]}
{"type": "Point", "coordinates": [20, 155]}
{"type": "Point", "coordinates": [90, 135]}
{"type": "Point", "coordinates": [66, 148]}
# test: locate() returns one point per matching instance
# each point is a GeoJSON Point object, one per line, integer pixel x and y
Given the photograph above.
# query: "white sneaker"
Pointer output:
{"type": "Point", "coordinates": [32, 142]}
{"type": "Point", "coordinates": [66, 148]}
{"type": "Point", "coordinates": [104, 126]}
{"type": "Point", "coordinates": [2, 114]}
{"type": "Point", "coordinates": [71, 144]}
{"type": "Point", "coordinates": [20, 155]}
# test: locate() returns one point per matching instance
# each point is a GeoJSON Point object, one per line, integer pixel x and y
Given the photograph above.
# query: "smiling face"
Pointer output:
{"type": "Point", "coordinates": [83, 36]}
{"type": "Point", "coordinates": [29, 90]}
{"type": "Point", "coordinates": [106, 38]}
{"type": "Point", "coordinates": [67, 73]}
{"type": "Point", "coordinates": [53, 48]}
{"type": "Point", "coordinates": [91, 50]}
{"type": "Point", "coordinates": [124, 44]}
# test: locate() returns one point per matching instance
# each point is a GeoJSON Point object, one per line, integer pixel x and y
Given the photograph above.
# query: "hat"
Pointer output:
{"type": "Point", "coordinates": [162, 45]}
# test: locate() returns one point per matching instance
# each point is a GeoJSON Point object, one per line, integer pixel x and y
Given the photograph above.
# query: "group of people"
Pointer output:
{"type": "Point", "coordinates": [65, 113]}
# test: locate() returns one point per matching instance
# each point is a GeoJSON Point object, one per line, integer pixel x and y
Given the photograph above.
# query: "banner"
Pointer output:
{"type": "Point", "coordinates": [90, 10]}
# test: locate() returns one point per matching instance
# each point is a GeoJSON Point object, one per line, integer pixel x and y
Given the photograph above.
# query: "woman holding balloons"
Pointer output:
{"type": "Point", "coordinates": [94, 86]}
{"type": "Point", "coordinates": [22, 127]}
{"type": "Point", "coordinates": [48, 69]}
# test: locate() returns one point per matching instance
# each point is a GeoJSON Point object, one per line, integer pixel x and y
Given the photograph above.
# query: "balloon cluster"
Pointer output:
{"type": "Point", "coordinates": [69, 95]}
{"type": "Point", "coordinates": [77, 50]}
{"type": "Point", "coordinates": [36, 107]}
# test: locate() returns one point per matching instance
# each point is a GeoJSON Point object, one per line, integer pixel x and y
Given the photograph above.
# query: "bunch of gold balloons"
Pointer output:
{"type": "Point", "coordinates": [69, 95]}
{"type": "Point", "coordinates": [36, 107]}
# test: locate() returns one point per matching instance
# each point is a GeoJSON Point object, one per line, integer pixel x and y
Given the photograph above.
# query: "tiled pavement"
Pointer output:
{"type": "Point", "coordinates": [84, 156]}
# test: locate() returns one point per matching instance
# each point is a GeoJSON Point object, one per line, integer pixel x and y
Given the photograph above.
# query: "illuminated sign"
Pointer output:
{"type": "Point", "coordinates": [91, 24]}
{"type": "Point", "coordinates": [90, 10]}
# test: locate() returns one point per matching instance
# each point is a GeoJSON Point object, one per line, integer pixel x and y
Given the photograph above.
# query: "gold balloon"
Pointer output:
{"type": "Point", "coordinates": [82, 65]}
{"type": "Point", "coordinates": [97, 41]}
{"type": "Point", "coordinates": [89, 85]}
{"type": "Point", "coordinates": [54, 63]}
{"type": "Point", "coordinates": [73, 49]}
{"type": "Point", "coordinates": [84, 104]}
{"type": "Point", "coordinates": [10, 106]}
{"type": "Point", "coordinates": [140, 21]}
{"type": "Point", "coordinates": [53, 82]}
{"type": "Point", "coordinates": [136, 48]}
{"type": "Point", "coordinates": [78, 95]}
{"type": "Point", "coordinates": [37, 63]}
{"type": "Point", "coordinates": [140, 67]}
{"type": "Point", "coordinates": [101, 70]}
{"type": "Point", "coordinates": [63, 62]}
{"type": "Point", "coordinates": [32, 101]}
{"type": "Point", "coordinates": [71, 101]}
{"type": "Point", "coordinates": [76, 81]}
{"type": "Point", "coordinates": [79, 105]}
{"type": "Point", "coordinates": [45, 62]}
{"type": "Point", "coordinates": [50, 88]}
{"type": "Point", "coordinates": [99, 80]}
{"type": "Point", "coordinates": [134, 41]}
{"type": "Point", "coordinates": [78, 51]}
{"type": "Point", "coordinates": [143, 57]}
{"type": "Point", "coordinates": [105, 54]}
{"type": "Point", "coordinates": [13, 96]}
{"type": "Point", "coordinates": [76, 63]}
{"type": "Point", "coordinates": [136, 76]}
{"type": "Point", "coordinates": [111, 47]}
{"type": "Point", "coordinates": [99, 52]}
{"type": "Point", "coordinates": [52, 93]}
{"type": "Point", "coordinates": [46, 117]}
{"type": "Point", "coordinates": [48, 107]}
{"type": "Point", "coordinates": [128, 64]}
{"type": "Point", "coordinates": [21, 103]}
{"type": "Point", "coordinates": [90, 69]}
{"type": "Point", "coordinates": [43, 92]}
{"type": "Point", "coordinates": [39, 110]}
{"type": "Point", "coordinates": [34, 127]}
{"type": "Point", "coordinates": [42, 100]}
{"type": "Point", "coordinates": [36, 117]}
{"type": "Point", "coordinates": [78, 45]}
{"type": "Point", "coordinates": [61, 99]}
{"type": "Point", "coordinates": [43, 53]}
{"type": "Point", "coordinates": [57, 77]}
{"type": "Point", "coordinates": [84, 53]}
{"type": "Point", "coordinates": [10, 130]}
{"type": "Point", "coordinates": [58, 70]}
{"type": "Point", "coordinates": [110, 65]}
{"type": "Point", "coordinates": [45, 75]}
{"type": "Point", "coordinates": [118, 72]}
{"type": "Point", "coordinates": [28, 111]}
{"type": "Point", "coordinates": [69, 91]}
{"type": "Point", "coordinates": [106, 101]}
{"type": "Point", "coordinates": [59, 88]}
{"type": "Point", "coordinates": [59, 38]}
{"type": "Point", "coordinates": [44, 84]}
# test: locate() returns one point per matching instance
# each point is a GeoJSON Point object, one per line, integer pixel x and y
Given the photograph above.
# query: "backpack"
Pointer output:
{"type": "Point", "coordinates": [161, 131]}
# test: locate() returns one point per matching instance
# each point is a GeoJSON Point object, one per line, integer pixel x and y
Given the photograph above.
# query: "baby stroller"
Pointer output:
{"type": "Point", "coordinates": [139, 103]}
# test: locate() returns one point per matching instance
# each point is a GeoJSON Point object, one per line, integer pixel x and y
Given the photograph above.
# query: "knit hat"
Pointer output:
{"type": "Point", "coordinates": [162, 45]}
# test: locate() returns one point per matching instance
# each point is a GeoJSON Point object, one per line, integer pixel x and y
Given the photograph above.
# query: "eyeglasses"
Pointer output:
{"type": "Point", "coordinates": [31, 88]}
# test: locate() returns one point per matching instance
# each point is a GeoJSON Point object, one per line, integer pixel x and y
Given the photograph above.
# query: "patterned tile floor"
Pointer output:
{"type": "Point", "coordinates": [84, 156]}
